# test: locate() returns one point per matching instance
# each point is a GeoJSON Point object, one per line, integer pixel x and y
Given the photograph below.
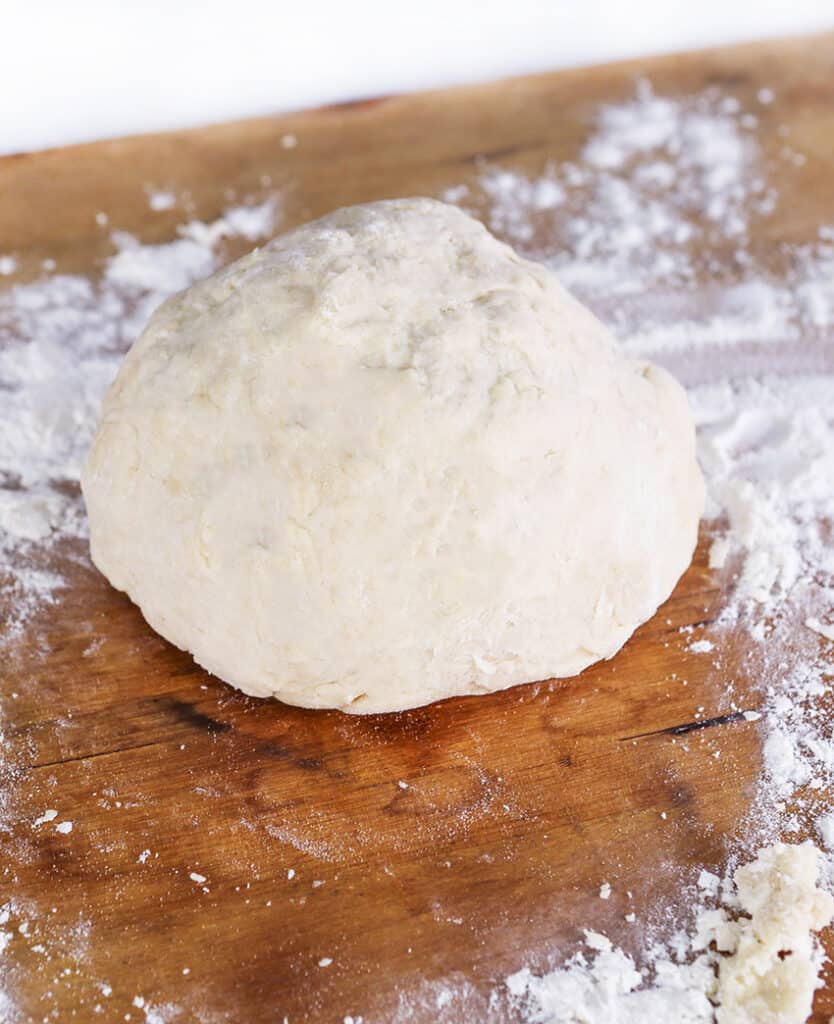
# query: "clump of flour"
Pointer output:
{"type": "Point", "coordinates": [755, 958]}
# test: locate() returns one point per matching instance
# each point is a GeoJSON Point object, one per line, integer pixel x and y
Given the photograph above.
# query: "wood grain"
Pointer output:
{"type": "Point", "coordinates": [513, 808]}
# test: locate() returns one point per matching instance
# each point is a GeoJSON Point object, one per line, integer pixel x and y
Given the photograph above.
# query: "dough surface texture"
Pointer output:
{"type": "Point", "coordinates": [385, 460]}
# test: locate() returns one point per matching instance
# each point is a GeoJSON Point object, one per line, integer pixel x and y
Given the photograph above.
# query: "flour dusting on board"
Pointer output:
{"type": "Point", "coordinates": [656, 177]}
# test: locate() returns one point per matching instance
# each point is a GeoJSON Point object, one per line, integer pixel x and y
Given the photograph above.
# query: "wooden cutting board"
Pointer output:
{"type": "Point", "coordinates": [426, 854]}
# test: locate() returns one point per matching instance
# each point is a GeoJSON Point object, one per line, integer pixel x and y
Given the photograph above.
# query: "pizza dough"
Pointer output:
{"type": "Point", "coordinates": [383, 461]}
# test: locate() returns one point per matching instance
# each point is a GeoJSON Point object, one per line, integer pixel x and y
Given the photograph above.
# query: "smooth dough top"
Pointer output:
{"type": "Point", "coordinates": [385, 460]}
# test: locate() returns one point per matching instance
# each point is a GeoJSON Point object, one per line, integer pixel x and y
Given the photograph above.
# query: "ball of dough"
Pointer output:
{"type": "Point", "coordinates": [385, 460]}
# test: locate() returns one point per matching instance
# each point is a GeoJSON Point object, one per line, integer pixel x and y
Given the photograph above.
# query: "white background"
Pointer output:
{"type": "Point", "coordinates": [72, 70]}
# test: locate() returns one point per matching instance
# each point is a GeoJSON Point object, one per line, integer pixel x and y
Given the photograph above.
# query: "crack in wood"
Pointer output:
{"type": "Point", "coordinates": [90, 757]}
{"type": "Point", "coordinates": [685, 727]}
{"type": "Point", "coordinates": [501, 152]}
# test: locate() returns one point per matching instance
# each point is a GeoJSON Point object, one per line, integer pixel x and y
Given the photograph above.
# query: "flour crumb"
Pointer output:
{"type": "Point", "coordinates": [162, 199]}
{"type": "Point", "coordinates": [195, 876]}
{"type": "Point", "coordinates": [825, 830]}
{"type": "Point", "coordinates": [709, 883]}
{"type": "Point", "coordinates": [8, 265]}
{"type": "Point", "coordinates": [718, 551]}
{"type": "Point", "coordinates": [64, 827]}
{"type": "Point", "coordinates": [822, 628]}
{"type": "Point", "coordinates": [48, 815]}
{"type": "Point", "coordinates": [605, 891]}
{"type": "Point", "coordinates": [701, 647]}
{"type": "Point", "coordinates": [251, 222]}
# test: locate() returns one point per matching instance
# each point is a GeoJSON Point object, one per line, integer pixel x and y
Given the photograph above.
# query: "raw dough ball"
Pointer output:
{"type": "Point", "coordinates": [384, 460]}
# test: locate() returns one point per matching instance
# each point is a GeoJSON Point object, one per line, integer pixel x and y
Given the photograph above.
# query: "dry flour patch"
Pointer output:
{"type": "Point", "coordinates": [656, 176]}
{"type": "Point", "coordinates": [755, 959]}
{"type": "Point", "coordinates": [61, 341]}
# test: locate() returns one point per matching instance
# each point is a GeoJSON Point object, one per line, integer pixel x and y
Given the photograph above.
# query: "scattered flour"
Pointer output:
{"type": "Point", "coordinates": [61, 341]}
{"type": "Point", "coordinates": [657, 176]}
{"type": "Point", "coordinates": [604, 986]}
